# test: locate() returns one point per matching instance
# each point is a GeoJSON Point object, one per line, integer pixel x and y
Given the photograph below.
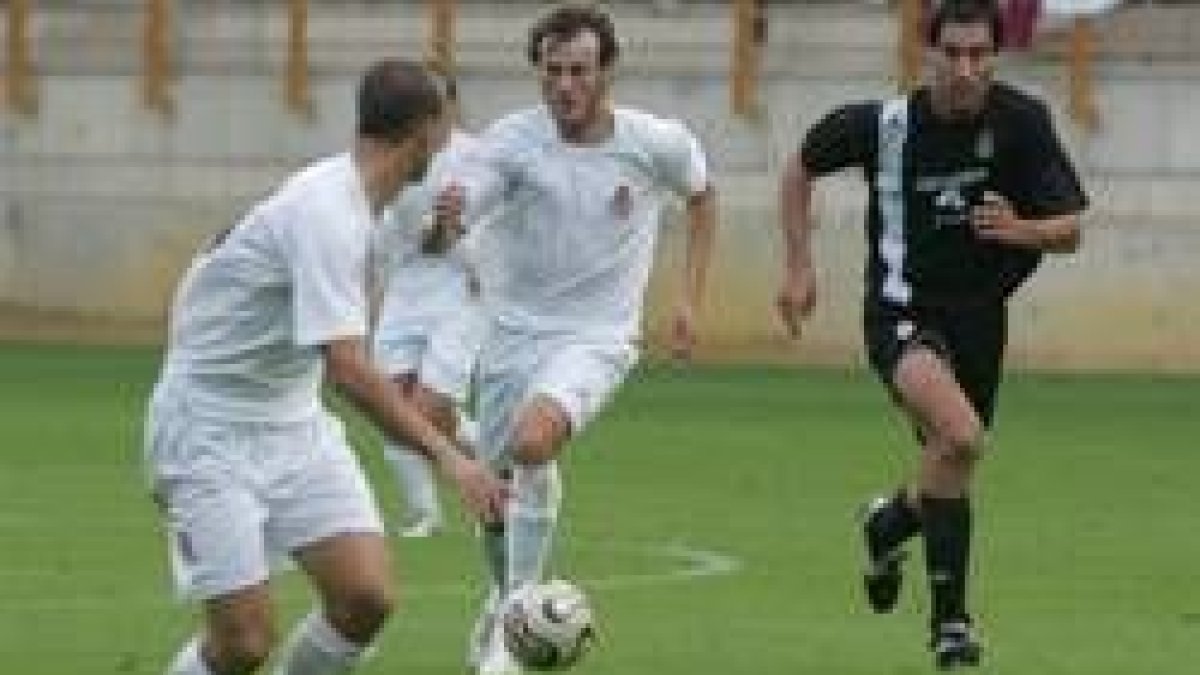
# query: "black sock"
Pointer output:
{"type": "Point", "coordinates": [893, 525]}
{"type": "Point", "coordinates": [947, 527]}
{"type": "Point", "coordinates": [495, 542]}
{"type": "Point", "coordinates": [495, 553]}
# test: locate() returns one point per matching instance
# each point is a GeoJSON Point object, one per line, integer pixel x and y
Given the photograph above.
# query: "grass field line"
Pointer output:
{"type": "Point", "coordinates": [685, 563]}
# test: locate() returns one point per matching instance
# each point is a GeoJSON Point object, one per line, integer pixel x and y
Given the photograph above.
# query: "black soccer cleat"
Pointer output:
{"type": "Point", "coordinates": [884, 575]}
{"type": "Point", "coordinates": [955, 645]}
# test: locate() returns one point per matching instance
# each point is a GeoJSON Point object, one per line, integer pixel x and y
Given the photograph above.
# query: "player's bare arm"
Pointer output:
{"type": "Point", "coordinates": [702, 226]}
{"type": "Point", "coordinates": [349, 367]}
{"type": "Point", "coordinates": [995, 220]}
{"type": "Point", "coordinates": [798, 291]}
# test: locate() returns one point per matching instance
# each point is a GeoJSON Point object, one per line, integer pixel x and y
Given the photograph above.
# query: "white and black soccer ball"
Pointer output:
{"type": "Point", "coordinates": [548, 626]}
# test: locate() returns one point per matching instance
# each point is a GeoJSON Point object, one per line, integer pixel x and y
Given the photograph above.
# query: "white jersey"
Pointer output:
{"type": "Point", "coordinates": [421, 290]}
{"type": "Point", "coordinates": [253, 311]}
{"type": "Point", "coordinates": [575, 246]}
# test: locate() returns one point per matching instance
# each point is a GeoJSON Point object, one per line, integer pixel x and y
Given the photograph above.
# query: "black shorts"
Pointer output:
{"type": "Point", "coordinates": [970, 340]}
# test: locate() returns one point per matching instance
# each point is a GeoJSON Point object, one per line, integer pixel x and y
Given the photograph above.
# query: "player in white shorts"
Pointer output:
{"type": "Point", "coordinates": [248, 466]}
{"type": "Point", "coordinates": [428, 331]}
{"type": "Point", "coordinates": [585, 184]}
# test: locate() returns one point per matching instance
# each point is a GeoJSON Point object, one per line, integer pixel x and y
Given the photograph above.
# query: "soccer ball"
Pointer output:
{"type": "Point", "coordinates": [548, 626]}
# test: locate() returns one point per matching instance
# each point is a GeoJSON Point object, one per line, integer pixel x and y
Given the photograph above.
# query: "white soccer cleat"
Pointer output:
{"type": "Point", "coordinates": [497, 660]}
{"type": "Point", "coordinates": [486, 653]}
{"type": "Point", "coordinates": [481, 632]}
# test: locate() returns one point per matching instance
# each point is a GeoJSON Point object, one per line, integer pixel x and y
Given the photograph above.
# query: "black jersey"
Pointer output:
{"type": "Point", "coordinates": [922, 250]}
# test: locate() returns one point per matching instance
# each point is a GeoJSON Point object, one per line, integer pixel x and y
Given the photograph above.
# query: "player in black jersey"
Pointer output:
{"type": "Point", "coordinates": [968, 187]}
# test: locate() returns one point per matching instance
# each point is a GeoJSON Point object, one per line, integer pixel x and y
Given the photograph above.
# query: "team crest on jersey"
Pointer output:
{"type": "Point", "coordinates": [985, 146]}
{"type": "Point", "coordinates": [622, 202]}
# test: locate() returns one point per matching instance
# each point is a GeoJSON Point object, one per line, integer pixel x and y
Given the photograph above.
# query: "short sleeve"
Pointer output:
{"type": "Point", "coordinates": [845, 137]}
{"type": "Point", "coordinates": [482, 168]}
{"type": "Point", "coordinates": [1049, 184]}
{"type": "Point", "coordinates": [327, 259]}
{"type": "Point", "coordinates": [681, 160]}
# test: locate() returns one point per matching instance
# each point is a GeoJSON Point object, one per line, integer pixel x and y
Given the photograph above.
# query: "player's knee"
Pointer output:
{"type": "Point", "coordinates": [360, 613]}
{"type": "Point", "coordinates": [243, 651]}
{"type": "Point", "coordinates": [960, 442]}
{"type": "Point", "coordinates": [535, 444]}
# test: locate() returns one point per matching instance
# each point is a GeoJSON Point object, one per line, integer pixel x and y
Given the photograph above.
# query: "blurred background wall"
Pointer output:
{"type": "Point", "coordinates": [106, 188]}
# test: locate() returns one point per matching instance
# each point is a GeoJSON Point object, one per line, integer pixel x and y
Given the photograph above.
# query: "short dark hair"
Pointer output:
{"type": "Point", "coordinates": [569, 20]}
{"type": "Point", "coordinates": [966, 11]}
{"type": "Point", "coordinates": [395, 97]}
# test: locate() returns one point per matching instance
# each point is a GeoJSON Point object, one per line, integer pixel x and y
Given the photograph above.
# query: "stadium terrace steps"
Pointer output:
{"type": "Point", "coordinates": [811, 39]}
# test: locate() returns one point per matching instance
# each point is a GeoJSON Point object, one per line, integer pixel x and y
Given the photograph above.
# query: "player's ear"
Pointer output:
{"type": "Point", "coordinates": [605, 77]}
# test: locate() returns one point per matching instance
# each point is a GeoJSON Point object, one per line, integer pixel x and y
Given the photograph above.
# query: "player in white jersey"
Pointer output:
{"type": "Point", "coordinates": [584, 184]}
{"type": "Point", "coordinates": [247, 464]}
{"type": "Point", "coordinates": [428, 331]}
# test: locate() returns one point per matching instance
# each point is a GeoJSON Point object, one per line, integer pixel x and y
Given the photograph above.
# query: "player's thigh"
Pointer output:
{"type": "Point", "coordinates": [507, 364]}
{"type": "Point", "coordinates": [911, 356]}
{"type": "Point", "coordinates": [447, 366]}
{"type": "Point", "coordinates": [351, 572]}
{"type": "Point", "coordinates": [319, 490]}
{"type": "Point", "coordinates": [578, 380]}
{"type": "Point", "coordinates": [214, 518]}
{"type": "Point", "coordinates": [978, 340]}
{"type": "Point", "coordinates": [928, 390]}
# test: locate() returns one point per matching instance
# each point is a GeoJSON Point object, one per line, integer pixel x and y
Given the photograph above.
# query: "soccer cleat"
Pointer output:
{"type": "Point", "coordinates": [498, 661]}
{"type": "Point", "coordinates": [954, 644]}
{"type": "Point", "coordinates": [494, 657]}
{"type": "Point", "coordinates": [479, 643]}
{"type": "Point", "coordinates": [884, 575]}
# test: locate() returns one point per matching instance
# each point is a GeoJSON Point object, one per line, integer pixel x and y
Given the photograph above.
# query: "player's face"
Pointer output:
{"type": "Point", "coordinates": [574, 84]}
{"type": "Point", "coordinates": [961, 63]}
{"type": "Point", "coordinates": [409, 159]}
{"type": "Point", "coordinates": [426, 143]}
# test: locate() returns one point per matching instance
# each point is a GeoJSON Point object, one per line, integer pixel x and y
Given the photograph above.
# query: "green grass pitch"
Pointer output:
{"type": "Point", "coordinates": [709, 513]}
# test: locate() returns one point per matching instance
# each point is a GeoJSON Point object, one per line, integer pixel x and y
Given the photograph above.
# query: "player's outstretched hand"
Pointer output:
{"type": "Point", "coordinates": [995, 220]}
{"type": "Point", "coordinates": [796, 300]}
{"type": "Point", "coordinates": [683, 333]}
{"type": "Point", "coordinates": [482, 492]}
{"type": "Point", "coordinates": [445, 222]}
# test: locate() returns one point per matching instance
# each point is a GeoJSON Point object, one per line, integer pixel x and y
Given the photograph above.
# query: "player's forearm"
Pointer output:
{"type": "Point", "coordinates": [1059, 234]}
{"type": "Point", "coordinates": [795, 199]}
{"type": "Point", "coordinates": [702, 227]}
{"type": "Point", "coordinates": [348, 367]}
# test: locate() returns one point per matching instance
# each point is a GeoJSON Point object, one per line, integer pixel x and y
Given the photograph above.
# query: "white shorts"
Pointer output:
{"type": "Point", "coordinates": [442, 357]}
{"type": "Point", "coordinates": [240, 497]}
{"type": "Point", "coordinates": [580, 375]}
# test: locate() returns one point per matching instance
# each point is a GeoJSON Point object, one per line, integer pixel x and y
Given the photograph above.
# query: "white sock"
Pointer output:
{"type": "Point", "coordinates": [188, 661]}
{"type": "Point", "coordinates": [531, 518]}
{"type": "Point", "coordinates": [418, 485]}
{"type": "Point", "coordinates": [316, 648]}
